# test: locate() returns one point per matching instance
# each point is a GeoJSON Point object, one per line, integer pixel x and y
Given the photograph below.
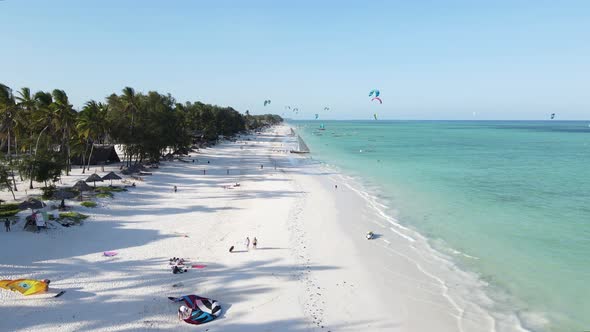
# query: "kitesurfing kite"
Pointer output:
{"type": "Point", "coordinates": [375, 116]}
{"type": "Point", "coordinates": [375, 93]}
{"type": "Point", "coordinates": [287, 107]}
{"type": "Point", "coordinates": [377, 98]}
{"type": "Point", "coordinates": [267, 102]}
{"type": "Point", "coordinates": [552, 116]}
{"type": "Point", "coordinates": [317, 116]}
{"type": "Point", "coordinates": [25, 286]}
{"type": "Point", "coordinates": [326, 108]}
{"type": "Point", "coordinates": [197, 310]}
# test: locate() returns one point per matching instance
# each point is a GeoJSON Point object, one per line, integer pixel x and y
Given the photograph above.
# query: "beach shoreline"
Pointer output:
{"type": "Point", "coordinates": [313, 269]}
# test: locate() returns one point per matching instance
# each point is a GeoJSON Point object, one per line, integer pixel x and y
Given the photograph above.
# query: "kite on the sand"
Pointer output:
{"type": "Point", "coordinates": [26, 286]}
{"type": "Point", "coordinates": [110, 253]}
{"type": "Point", "coordinates": [197, 310]}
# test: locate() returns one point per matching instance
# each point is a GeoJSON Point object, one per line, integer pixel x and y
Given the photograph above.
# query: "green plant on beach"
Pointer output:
{"type": "Point", "coordinates": [76, 217]}
{"type": "Point", "coordinates": [110, 189]}
{"type": "Point", "coordinates": [88, 204]}
{"type": "Point", "coordinates": [105, 194]}
{"type": "Point", "coordinates": [8, 210]}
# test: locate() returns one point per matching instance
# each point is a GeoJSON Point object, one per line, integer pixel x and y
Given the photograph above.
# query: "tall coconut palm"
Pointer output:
{"type": "Point", "coordinates": [91, 125]}
{"type": "Point", "coordinates": [131, 106]}
{"type": "Point", "coordinates": [8, 111]}
{"type": "Point", "coordinates": [24, 128]}
{"type": "Point", "coordinates": [42, 121]}
{"type": "Point", "coordinates": [65, 118]}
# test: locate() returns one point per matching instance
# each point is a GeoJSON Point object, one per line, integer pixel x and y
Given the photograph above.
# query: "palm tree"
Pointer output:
{"type": "Point", "coordinates": [27, 106]}
{"type": "Point", "coordinates": [92, 125]}
{"type": "Point", "coordinates": [8, 111]}
{"type": "Point", "coordinates": [42, 120]}
{"type": "Point", "coordinates": [65, 118]}
{"type": "Point", "coordinates": [131, 105]}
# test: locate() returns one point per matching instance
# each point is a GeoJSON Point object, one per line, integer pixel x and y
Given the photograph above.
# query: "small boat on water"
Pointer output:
{"type": "Point", "coordinates": [302, 147]}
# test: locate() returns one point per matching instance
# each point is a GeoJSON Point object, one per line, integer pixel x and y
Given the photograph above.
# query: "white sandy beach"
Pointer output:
{"type": "Point", "coordinates": [313, 269]}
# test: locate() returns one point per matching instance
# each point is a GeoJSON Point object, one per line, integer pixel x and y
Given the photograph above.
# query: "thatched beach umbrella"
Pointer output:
{"type": "Point", "coordinates": [93, 178]}
{"type": "Point", "coordinates": [111, 176]}
{"type": "Point", "coordinates": [31, 203]}
{"type": "Point", "coordinates": [81, 186]}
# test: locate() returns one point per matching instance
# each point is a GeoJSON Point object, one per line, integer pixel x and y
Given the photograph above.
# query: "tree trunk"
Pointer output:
{"type": "Point", "coordinates": [10, 165]}
{"type": "Point", "coordinates": [84, 158]}
{"type": "Point", "coordinates": [90, 155]}
{"type": "Point", "coordinates": [10, 187]}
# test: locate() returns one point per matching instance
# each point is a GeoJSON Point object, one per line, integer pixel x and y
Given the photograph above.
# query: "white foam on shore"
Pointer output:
{"type": "Point", "coordinates": [467, 295]}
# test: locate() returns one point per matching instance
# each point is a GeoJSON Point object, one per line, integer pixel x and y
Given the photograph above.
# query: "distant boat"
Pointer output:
{"type": "Point", "coordinates": [302, 147]}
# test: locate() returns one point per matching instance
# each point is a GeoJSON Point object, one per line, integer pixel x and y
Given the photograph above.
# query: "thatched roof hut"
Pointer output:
{"type": "Point", "coordinates": [101, 154]}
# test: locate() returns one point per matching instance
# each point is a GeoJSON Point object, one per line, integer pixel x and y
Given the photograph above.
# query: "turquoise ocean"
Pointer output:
{"type": "Point", "coordinates": [513, 197]}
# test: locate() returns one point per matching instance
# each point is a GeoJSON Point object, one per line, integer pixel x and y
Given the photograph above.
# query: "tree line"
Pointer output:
{"type": "Point", "coordinates": [41, 132]}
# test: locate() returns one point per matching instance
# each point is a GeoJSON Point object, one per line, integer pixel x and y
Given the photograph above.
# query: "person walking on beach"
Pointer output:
{"type": "Point", "coordinates": [261, 166]}
{"type": "Point", "coordinates": [254, 243]}
{"type": "Point", "coordinates": [247, 243]}
{"type": "Point", "coordinates": [175, 189]}
{"type": "Point", "coordinates": [7, 224]}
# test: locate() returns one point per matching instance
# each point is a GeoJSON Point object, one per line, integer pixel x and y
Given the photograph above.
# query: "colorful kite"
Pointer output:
{"type": "Point", "coordinates": [197, 310]}
{"type": "Point", "coordinates": [375, 93]}
{"type": "Point", "coordinates": [378, 99]}
{"type": "Point", "coordinates": [25, 286]}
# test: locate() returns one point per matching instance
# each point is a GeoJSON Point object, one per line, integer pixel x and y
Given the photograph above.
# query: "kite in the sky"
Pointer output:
{"type": "Point", "coordinates": [267, 102]}
{"type": "Point", "coordinates": [378, 99]}
{"type": "Point", "coordinates": [317, 116]}
{"type": "Point", "coordinates": [326, 108]}
{"type": "Point", "coordinates": [197, 310]}
{"type": "Point", "coordinates": [25, 286]}
{"type": "Point", "coordinates": [374, 93]}
{"type": "Point", "coordinates": [552, 116]}
{"type": "Point", "coordinates": [375, 116]}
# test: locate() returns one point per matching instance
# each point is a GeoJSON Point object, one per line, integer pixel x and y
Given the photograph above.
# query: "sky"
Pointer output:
{"type": "Point", "coordinates": [474, 60]}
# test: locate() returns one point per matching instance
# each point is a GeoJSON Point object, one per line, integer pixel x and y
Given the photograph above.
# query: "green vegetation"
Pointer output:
{"type": "Point", "coordinates": [72, 216]}
{"type": "Point", "coordinates": [105, 194]}
{"type": "Point", "coordinates": [88, 204]}
{"type": "Point", "coordinates": [8, 210]}
{"type": "Point", "coordinates": [42, 132]}
{"type": "Point", "coordinates": [110, 189]}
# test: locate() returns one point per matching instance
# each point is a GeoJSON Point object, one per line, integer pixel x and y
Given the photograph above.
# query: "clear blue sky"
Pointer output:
{"type": "Point", "coordinates": [430, 59]}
